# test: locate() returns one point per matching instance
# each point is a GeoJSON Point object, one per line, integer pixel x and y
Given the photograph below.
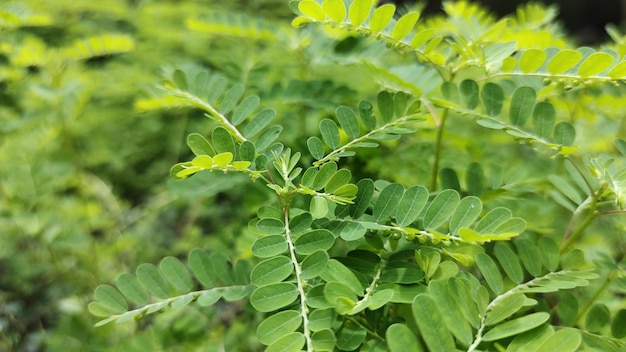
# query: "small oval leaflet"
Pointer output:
{"type": "Point", "coordinates": [152, 279]}
{"type": "Point", "coordinates": [176, 273]}
{"type": "Point", "coordinates": [381, 17]}
{"type": "Point", "coordinates": [130, 287]}
{"type": "Point", "coordinates": [314, 240]}
{"type": "Point", "coordinates": [359, 11]}
{"type": "Point", "coordinates": [278, 325]}
{"type": "Point", "coordinates": [269, 246]}
{"type": "Point", "coordinates": [111, 298]}
{"type": "Point", "coordinates": [271, 271]}
{"type": "Point", "coordinates": [273, 297]}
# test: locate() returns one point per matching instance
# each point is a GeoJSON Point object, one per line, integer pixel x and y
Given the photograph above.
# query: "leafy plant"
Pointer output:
{"type": "Point", "coordinates": [343, 261]}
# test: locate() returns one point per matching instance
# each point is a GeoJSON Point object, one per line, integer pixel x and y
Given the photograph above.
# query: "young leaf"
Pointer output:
{"type": "Point", "coordinates": [404, 25]}
{"type": "Point", "coordinates": [400, 338]}
{"type": "Point", "coordinates": [563, 61]}
{"type": "Point", "coordinates": [594, 64]}
{"type": "Point", "coordinates": [312, 10]}
{"type": "Point", "coordinates": [433, 330]}
{"type": "Point", "coordinates": [176, 273]}
{"type": "Point", "coordinates": [493, 98]}
{"type": "Point", "coordinates": [244, 109]}
{"type": "Point", "coordinates": [387, 201]}
{"type": "Point", "coordinates": [381, 17]}
{"type": "Point", "coordinates": [330, 133]}
{"type": "Point", "coordinates": [522, 104]}
{"type": "Point", "coordinates": [516, 326]}
{"type": "Point", "coordinates": [271, 271]}
{"type": "Point", "coordinates": [441, 208]}
{"type": "Point", "coordinates": [347, 120]}
{"type": "Point", "coordinates": [273, 297]}
{"type": "Point", "coordinates": [339, 179]}
{"type": "Point", "coordinates": [335, 10]}
{"type": "Point", "coordinates": [490, 272]}
{"type": "Point", "coordinates": [531, 60]}
{"type": "Point", "coordinates": [278, 325]}
{"type": "Point", "coordinates": [318, 207]}
{"type": "Point", "coordinates": [359, 11]}
{"type": "Point", "coordinates": [411, 205]}
{"type": "Point", "coordinates": [223, 159]}
{"type": "Point", "coordinates": [323, 175]}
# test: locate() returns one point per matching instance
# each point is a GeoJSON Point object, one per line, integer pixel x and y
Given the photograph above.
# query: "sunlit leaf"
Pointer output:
{"type": "Point", "coordinates": [359, 11]}
{"type": "Point", "coordinates": [381, 17]}
{"type": "Point", "coordinates": [516, 326]}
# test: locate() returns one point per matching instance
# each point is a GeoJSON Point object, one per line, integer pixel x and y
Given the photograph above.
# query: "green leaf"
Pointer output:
{"type": "Point", "coordinates": [222, 267]}
{"type": "Point", "coordinates": [522, 104]}
{"type": "Point", "coordinates": [387, 201]}
{"type": "Point", "coordinates": [300, 223]}
{"type": "Point", "coordinates": [217, 84]}
{"type": "Point", "coordinates": [312, 10]}
{"type": "Point", "coordinates": [475, 179]}
{"type": "Point", "coordinates": [244, 109]}
{"type": "Point", "coordinates": [381, 17]}
{"type": "Point", "coordinates": [531, 340]}
{"type": "Point", "coordinates": [385, 100]}
{"type": "Point", "coordinates": [271, 271]}
{"type": "Point", "coordinates": [199, 145]}
{"type": "Point", "coordinates": [316, 148]}
{"type": "Point", "coordinates": [223, 159]}
{"type": "Point", "coordinates": [153, 280]}
{"type": "Point", "coordinates": [323, 175]}
{"type": "Point", "coordinates": [323, 340]}
{"type": "Point", "coordinates": [350, 336]}
{"type": "Point", "coordinates": [366, 113]}
{"type": "Point", "coordinates": [544, 117]}
{"type": "Point", "coordinates": [278, 325]}
{"type": "Point", "coordinates": [268, 136]}
{"type": "Point", "coordinates": [618, 325]}
{"type": "Point", "coordinates": [549, 251]}
{"type": "Point", "coordinates": [335, 10]}
{"type": "Point", "coordinates": [564, 133]}
{"type": "Point", "coordinates": [359, 11]}
{"type": "Point", "coordinates": [100, 310]}
{"type": "Point", "coordinates": [505, 308]}
{"type": "Point", "coordinates": [404, 25]}
{"type": "Point", "coordinates": [594, 64]}
{"type": "Point", "coordinates": [330, 133]}
{"type": "Point", "coordinates": [314, 240]}
{"type": "Point", "coordinates": [347, 120]}
{"type": "Point", "coordinates": [621, 146]}
{"type": "Point", "coordinates": [597, 318]}
{"type": "Point", "coordinates": [422, 37]}
{"type": "Point", "coordinates": [441, 208]}
{"type": "Point", "coordinates": [509, 262]}
{"type": "Point", "coordinates": [453, 317]}
{"type": "Point", "coordinates": [490, 272]}
{"type": "Point", "coordinates": [292, 342]}
{"type": "Point", "coordinates": [231, 97]}
{"type": "Point", "coordinates": [450, 92]}
{"type": "Point", "coordinates": [176, 273]}
{"type": "Point", "coordinates": [400, 339]}
{"type": "Point", "coordinates": [411, 205]}
{"type": "Point", "coordinates": [222, 141]}
{"type": "Point", "coordinates": [269, 246]}
{"type": "Point", "coordinates": [493, 219]}
{"type": "Point", "coordinates": [336, 271]}
{"type": "Point", "coordinates": [202, 267]}
{"type": "Point", "coordinates": [363, 197]}
{"type": "Point", "coordinates": [493, 98]}
{"type": "Point", "coordinates": [572, 259]}
{"type": "Point", "coordinates": [247, 151]}
{"type": "Point", "coordinates": [130, 287]}
{"type": "Point", "coordinates": [469, 92]}
{"type": "Point", "coordinates": [111, 298]}
{"type": "Point", "coordinates": [340, 296]}
{"type": "Point", "coordinates": [516, 326]}
{"type": "Point", "coordinates": [271, 226]}
{"type": "Point", "coordinates": [529, 255]}
{"type": "Point", "coordinates": [531, 60]}
{"type": "Point", "coordinates": [258, 123]}
{"type": "Point", "coordinates": [273, 297]}
{"type": "Point", "coordinates": [321, 319]}
{"type": "Point", "coordinates": [433, 329]}
{"type": "Point", "coordinates": [563, 61]}
{"type": "Point", "coordinates": [564, 340]}
{"type": "Point", "coordinates": [318, 207]}
{"type": "Point", "coordinates": [465, 213]}
{"type": "Point", "coordinates": [619, 71]}
{"type": "Point", "coordinates": [339, 179]}
{"type": "Point", "coordinates": [314, 264]}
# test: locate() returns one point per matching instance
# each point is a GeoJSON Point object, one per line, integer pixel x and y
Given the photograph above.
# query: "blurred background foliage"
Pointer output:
{"type": "Point", "coordinates": [86, 147]}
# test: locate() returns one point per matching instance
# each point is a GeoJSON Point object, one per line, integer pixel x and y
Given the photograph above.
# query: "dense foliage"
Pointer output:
{"type": "Point", "coordinates": [364, 179]}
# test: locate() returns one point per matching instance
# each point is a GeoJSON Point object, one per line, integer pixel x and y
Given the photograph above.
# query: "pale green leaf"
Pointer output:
{"type": "Point", "coordinates": [321, 319]}
{"type": "Point", "coordinates": [359, 11]}
{"type": "Point", "coordinates": [176, 273]}
{"type": "Point", "coordinates": [339, 179]}
{"type": "Point", "coordinates": [422, 37]}
{"type": "Point", "coordinates": [266, 138]}
{"type": "Point", "coordinates": [292, 342]}
{"type": "Point", "coordinates": [564, 133]}
{"type": "Point", "coordinates": [531, 340]}
{"type": "Point", "coordinates": [318, 239]}
{"type": "Point", "coordinates": [335, 10]}
{"type": "Point", "coordinates": [490, 272]}
{"type": "Point", "coordinates": [401, 339]}
{"type": "Point", "coordinates": [231, 97]}
{"type": "Point", "coordinates": [505, 308]}
{"type": "Point", "coordinates": [223, 159]}
{"type": "Point", "coordinates": [493, 219]}
{"type": "Point", "coordinates": [202, 267]}
{"type": "Point", "coordinates": [323, 175]}
{"type": "Point", "coordinates": [111, 298]}
{"type": "Point", "coordinates": [330, 133]}
{"type": "Point", "coordinates": [269, 246]}
{"type": "Point", "coordinates": [323, 340]}
{"type": "Point", "coordinates": [619, 71]}
{"type": "Point", "coordinates": [217, 84]}
{"type": "Point", "coordinates": [465, 213]}
{"type": "Point", "coordinates": [469, 92]}
{"type": "Point", "coordinates": [433, 330]}
{"type": "Point", "coordinates": [318, 207]}
{"type": "Point", "coordinates": [199, 145]}
{"type": "Point", "coordinates": [363, 197]}
{"type": "Point", "coordinates": [152, 279]}
{"type": "Point", "coordinates": [278, 325]}
{"type": "Point", "coordinates": [411, 205]}
{"type": "Point", "coordinates": [314, 264]}
{"type": "Point", "coordinates": [594, 64]}
{"type": "Point", "coordinates": [312, 10]}
{"type": "Point", "coordinates": [563, 61]}
{"type": "Point", "coordinates": [404, 25]}
{"type": "Point", "coordinates": [316, 148]}
{"type": "Point", "coordinates": [336, 271]}
{"type": "Point", "coordinates": [387, 201]}
{"type": "Point", "coordinates": [259, 122]}
{"type": "Point", "coordinates": [564, 340]}
{"type": "Point", "coordinates": [522, 104]}
{"type": "Point", "coordinates": [531, 60]}
{"type": "Point", "coordinates": [544, 117]}
{"type": "Point", "coordinates": [130, 287]}
{"type": "Point", "coordinates": [271, 226]}
{"type": "Point", "coordinates": [381, 17]}
{"type": "Point", "coordinates": [493, 98]}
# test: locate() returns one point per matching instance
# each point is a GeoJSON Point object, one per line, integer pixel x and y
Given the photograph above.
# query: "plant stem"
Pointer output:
{"type": "Point", "coordinates": [301, 283]}
{"type": "Point", "coordinates": [438, 146]}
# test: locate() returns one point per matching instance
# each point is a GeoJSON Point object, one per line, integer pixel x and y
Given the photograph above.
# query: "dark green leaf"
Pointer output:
{"type": "Point", "coordinates": [469, 93]}
{"type": "Point", "coordinates": [387, 201]}
{"type": "Point", "coordinates": [522, 104]}
{"type": "Point", "coordinates": [350, 336]}
{"type": "Point", "coordinates": [314, 264]}
{"type": "Point", "coordinates": [516, 326]}
{"type": "Point", "coordinates": [366, 111]}
{"type": "Point", "coordinates": [330, 133]}
{"type": "Point", "coordinates": [449, 179]}
{"type": "Point", "coordinates": [321, 319]}
{"type": "Point", "coordinates": [465, 213]}
{"type": "Point", "coordinates": [217, 85]}
{"type": "Point", "coordinates": [544, 118]}
{"type": "Point", "coordinates": [316, 148]}
{"type": "Point", "coordinates": [244, 109]}
{"type": "Point", "coordinates": [259, 122]}
{"type": "Point", "coordinates": [549, 251]}
{"type": "Point", "coordinates": [347, 120]}
{"type": "Point", "coordinates": [509, 262]}
{"type": "Point", "coordinates": [271, 226]}
{"type": "Point", "coordinates": [529, 255]}
{"type": "Point", "coordinates": [180, 79]}
{"type": "Point", "coordinates": [335, 271]}
{"type": "Point", "coordinates": [621, 146]}
{"type": "Point", "coordinates": [300, 223]}
{"type": "Point", "coordinates": [202, 267]}
{"type": "Point", "coordinates": [492, 220]}
{"type": "Point", "coordinates": [385, 105]}
{"type": "Point", "coordinates": [231, 97]}
{"type": "Point", "coordinates": [222, 141]}
{"type": "Point", "coordinates": [223, 268]}
{"type": "Point", "coordinates": [564, 133]}
{"type": "Point", "coordinates": [618, 325]}
{"type": "Point", "coordinates": [268, 137]}
{"type": "Point", "coordinates": [199, 145]}
{"type": "Point", "coordinates": [475, 179]}
{"type": "Point", "coordinates": [450, 92]}
{"type": "Point", "coordinates": [597, 318]}
{"type": "Point", "coordinates": [490, 272]}
{"type": "Point", "coordinates": [273, 297]}
{"type": "Point", "coordinates": [363, 197]}
{"type": "Point", "coordinates": [441, 208]}
{"type": "Point", "coordinates": [532, 339]}
{"type": "Point", "coordinates": [411, 205]}
{"type": "Point", "coordinates": [323, 175]}
{"type": "Point", "coordinates": [493, 98]}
